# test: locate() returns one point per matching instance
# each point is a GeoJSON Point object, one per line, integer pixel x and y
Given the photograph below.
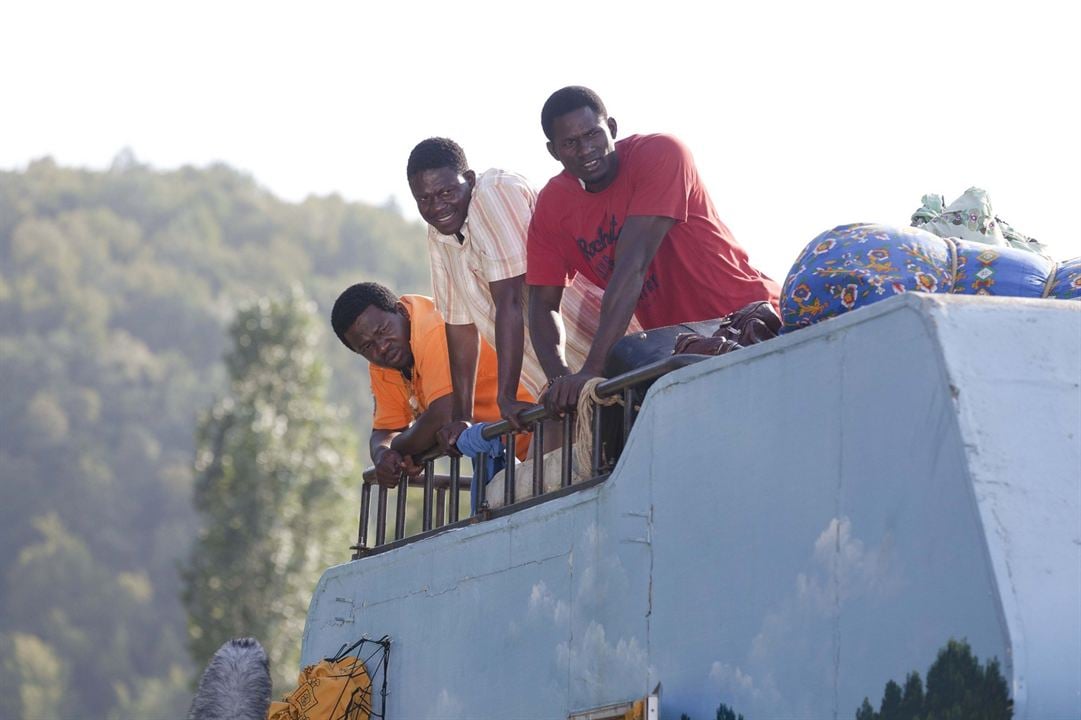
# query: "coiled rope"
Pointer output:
{"type": "Point", "coordinates": [583, 441]}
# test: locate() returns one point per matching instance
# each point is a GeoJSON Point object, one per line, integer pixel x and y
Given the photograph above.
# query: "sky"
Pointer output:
{"type": "Point", "coordinates": [801, 116]}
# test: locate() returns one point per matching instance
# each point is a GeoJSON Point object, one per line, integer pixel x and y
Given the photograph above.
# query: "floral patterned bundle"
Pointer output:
{"type": "Point", "coordinates": [970, 217]}
{"type": "Point", "coordinates": [855, 265]}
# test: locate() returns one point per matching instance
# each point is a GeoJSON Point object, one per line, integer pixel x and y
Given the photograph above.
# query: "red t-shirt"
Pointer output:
{"type": "Point", "coordinates": [699, 271]}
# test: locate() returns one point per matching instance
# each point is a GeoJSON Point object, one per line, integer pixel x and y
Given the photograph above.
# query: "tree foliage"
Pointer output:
{"type": "Point", "coordinates": [726, 713]}
{"type": "Point", "coordinates": [958, 687]}
{"type": "Point", "coordinates": [723, 713]}
{"type": "Point", "coordinates": [274, 462]}
{"type": "Point", "coordinates": [115, 291]}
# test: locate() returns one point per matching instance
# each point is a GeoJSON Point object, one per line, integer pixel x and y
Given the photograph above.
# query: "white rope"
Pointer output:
{"type": "Point", "coordinates": [1050, 284]}
{"type": "Point", "coordinates": [583, 441]}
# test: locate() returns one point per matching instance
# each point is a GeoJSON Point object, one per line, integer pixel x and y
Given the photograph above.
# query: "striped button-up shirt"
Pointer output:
{"type": "Point", "coordinates": [494, 249]}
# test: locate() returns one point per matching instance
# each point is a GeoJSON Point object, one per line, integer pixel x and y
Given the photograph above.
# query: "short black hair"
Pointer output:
{"type": "Point", "coordinates": [355, 300]}
{"type": "Point", "coordinates": [567, 100]}
{"type": "Point", "coordinates": [435, 153]}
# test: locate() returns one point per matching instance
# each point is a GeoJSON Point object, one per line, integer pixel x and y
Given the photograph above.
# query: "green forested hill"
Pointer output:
{"type": "Point", "coordinates": [115, 291]}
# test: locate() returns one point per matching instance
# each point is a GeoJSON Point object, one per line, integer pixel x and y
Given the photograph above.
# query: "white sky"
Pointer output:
{"type": "Point", "coordinates": [801, 116]}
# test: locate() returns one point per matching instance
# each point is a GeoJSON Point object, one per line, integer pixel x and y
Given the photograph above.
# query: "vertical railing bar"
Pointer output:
{"type": "Point", "coordinates": [381, 517]}
{"type": "Point", "coordinates": [598, 447]}
{"type": "Point", "coordinates": [568, 456]}
{"type": "Point", "coordinates": [399, 513]}
{"type": "Point", "coordinates": [508, 471]}
{"type": "Point", "coordinates": [365, 513]}
{"type": "Point", "coordinates": [538, 458]}
{"type": "Point", "coordinates": [628, 412]}
{"type": "Point", "coordinates": [480, 471]}
{"type": "Point", "coordinates": [438, 510]}
{"type": "Point", "coordinates": [455, 491]}
{"type": "Point", "coordinates": [440, 507]}
{"type": "Point", "coordinates": [426, 510]}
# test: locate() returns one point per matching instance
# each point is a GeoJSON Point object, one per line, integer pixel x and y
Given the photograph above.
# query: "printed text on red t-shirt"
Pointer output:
{"type": "Point", "coordinates": [604, 264]}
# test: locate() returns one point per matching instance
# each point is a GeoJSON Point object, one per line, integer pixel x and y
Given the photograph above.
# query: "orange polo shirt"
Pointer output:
{"type": "Point", "coordinates": [399, 401]}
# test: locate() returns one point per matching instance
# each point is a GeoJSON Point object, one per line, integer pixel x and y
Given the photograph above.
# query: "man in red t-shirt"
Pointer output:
{"type": "Point", "coordinates": [636, 220]}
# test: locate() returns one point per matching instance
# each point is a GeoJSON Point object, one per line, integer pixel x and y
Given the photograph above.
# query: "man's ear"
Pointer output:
{"type": "Point", "coordinates": [612, 127]}
{"type": "Point", "coordinates": [552, 150]}
{"type": "Point", "coordinates": [470, 178]}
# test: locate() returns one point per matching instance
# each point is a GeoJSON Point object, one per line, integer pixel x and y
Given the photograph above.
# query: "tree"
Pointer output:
{"type": "Point", "coordinates": [273, 464]}
{"type": "Point", "coordinates": [912, 700]}
{"type": "Point", "coordinates": [116, 289]}
{"type": "Point", "coordinates": [958, 687]}
{"type": "Point", "coordinates": [723, 713]}
{"type": "Point", "coordinates": [891, 702]}
{"type": "Point", "coordinates": [726, 713]}
{"type": "Point", "coordinates": [866, 712]}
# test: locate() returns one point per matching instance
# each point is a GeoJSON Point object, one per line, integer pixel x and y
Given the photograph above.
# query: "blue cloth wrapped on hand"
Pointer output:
{"type": "Point", "coordinates": [471, 442]}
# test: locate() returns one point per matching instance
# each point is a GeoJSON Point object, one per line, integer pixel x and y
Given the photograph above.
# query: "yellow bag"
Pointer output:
{"type": "Point", "coordinates": [332, 689]}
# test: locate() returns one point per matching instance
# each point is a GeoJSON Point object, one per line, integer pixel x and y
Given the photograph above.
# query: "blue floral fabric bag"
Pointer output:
{"type": "Point", "coordinates": [855, 265]}
{"type": "Point", "coordinates": [1066, 284]}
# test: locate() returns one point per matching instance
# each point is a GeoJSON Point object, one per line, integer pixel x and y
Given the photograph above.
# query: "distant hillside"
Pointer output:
{"type": "Point", "coordinates": [115, 290]}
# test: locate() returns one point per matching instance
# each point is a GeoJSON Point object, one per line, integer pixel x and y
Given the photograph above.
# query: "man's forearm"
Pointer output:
{"type": "Point", "coordinates": [509, 333]}
{"type": "Point", "coordinates": [546, 330]}
{"type": "Point", "coordinates": [420, 436]}
{"type": "Point", "coordinates": [463, 346]}
{"type": "Point", "coordinates": [617, 309]}
{"type": "Point", "coordinates": [639, 240]}
{"type": "Point", "coordinates": [380, 440]}
{"type": "Point", "coordinates": [509, 345]}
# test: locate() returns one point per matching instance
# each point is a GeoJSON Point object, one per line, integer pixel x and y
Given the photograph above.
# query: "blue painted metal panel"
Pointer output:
{"type": "Point", "coordinates": [790, 527]}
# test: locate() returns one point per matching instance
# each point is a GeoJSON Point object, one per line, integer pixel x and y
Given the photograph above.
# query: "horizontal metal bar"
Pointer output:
{"type": "Point", "coordinates": [606, 388]}
{"type": "Point", "coordinates": [438, 481]}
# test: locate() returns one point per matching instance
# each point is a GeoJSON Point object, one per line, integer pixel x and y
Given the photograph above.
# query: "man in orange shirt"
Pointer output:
{"type": "Point", "coordinates": [405, 343]}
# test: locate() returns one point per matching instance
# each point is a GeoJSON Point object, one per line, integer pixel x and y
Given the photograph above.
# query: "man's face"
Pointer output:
{"type": "Point", "coordinates": [584, 142]}
{"type": "Point", "coordinates": [442, 197]}
{"type": "Point", "coordinates": [382, 338]}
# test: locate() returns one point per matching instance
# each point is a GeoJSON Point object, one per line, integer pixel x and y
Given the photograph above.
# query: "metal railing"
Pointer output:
{"type": "Point", "coordinates": [441, 506]}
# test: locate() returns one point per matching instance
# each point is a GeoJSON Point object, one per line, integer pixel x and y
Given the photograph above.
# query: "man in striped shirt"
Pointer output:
{"type": "Point", "coordinates": [477, 248]}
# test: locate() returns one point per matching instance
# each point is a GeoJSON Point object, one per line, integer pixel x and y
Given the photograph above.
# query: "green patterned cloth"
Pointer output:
{"type": "Point", "coordinates": [970, 217]}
